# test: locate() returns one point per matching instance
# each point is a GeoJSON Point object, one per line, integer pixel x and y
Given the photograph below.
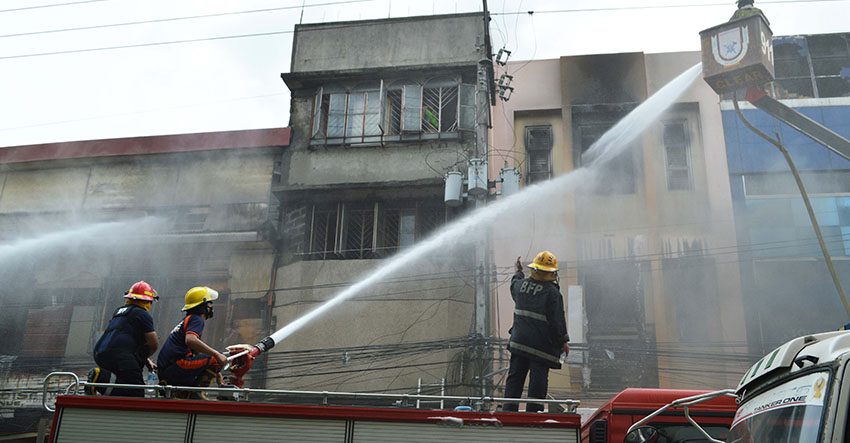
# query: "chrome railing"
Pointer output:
{"type": "Point", "coordinates": [77, 387]}
{"type": "Point", "coordinates": [685, 404]}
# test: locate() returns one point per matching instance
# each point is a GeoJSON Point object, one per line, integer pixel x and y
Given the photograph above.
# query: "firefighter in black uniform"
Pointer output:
{"type": "Point", "coordinates": [128, 342]}
{"type": "Point", "coordinates": [539, 333]}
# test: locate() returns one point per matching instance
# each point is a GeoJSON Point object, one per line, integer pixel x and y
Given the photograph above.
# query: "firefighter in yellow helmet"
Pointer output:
{"type": "Point", "coordinates": [539, 332]}
{"type": "Point", "coordinates": [185, 360]}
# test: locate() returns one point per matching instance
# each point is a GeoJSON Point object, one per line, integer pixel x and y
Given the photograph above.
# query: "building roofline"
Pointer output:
{"type": "Point", "coordinates": [383, 20]}
{"type": "Point", "coordinates": [157, 144]}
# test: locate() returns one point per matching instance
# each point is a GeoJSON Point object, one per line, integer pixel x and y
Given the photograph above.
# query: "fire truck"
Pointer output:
{"type": "Point", "coordinates": [610, 423]}
{"type": "Point", "coordinates": [799, 392]}
{"type": "Point", "coordinates": [283, 416]}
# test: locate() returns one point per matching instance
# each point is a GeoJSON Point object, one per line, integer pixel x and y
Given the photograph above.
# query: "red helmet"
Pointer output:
{"type": "Point", "coordinates": [141, 290]}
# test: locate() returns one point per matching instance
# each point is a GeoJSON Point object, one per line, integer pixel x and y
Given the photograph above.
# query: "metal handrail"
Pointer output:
{"type": "Point", "coordinates": [569, 406]}
{"type": "Point", "coordinates": [685, 403]}
{"type": "Point", "coordinates": [75, 385]}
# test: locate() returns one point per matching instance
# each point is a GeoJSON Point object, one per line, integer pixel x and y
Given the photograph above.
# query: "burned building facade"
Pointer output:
{"type": "Point", "coordinates": [643, 285]}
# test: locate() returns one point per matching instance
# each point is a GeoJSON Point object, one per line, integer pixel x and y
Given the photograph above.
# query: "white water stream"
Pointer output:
{"type": "Point", "coordinates": [97, 234]}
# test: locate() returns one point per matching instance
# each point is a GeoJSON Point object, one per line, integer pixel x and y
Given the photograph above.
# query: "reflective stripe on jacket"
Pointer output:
{"type": "Point", "coordinates": [540, 327]}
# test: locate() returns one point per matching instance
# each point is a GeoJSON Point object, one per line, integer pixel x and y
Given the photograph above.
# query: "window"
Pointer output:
{"type": "Point", "coordinates": [677, 155]}
{"type": "Point", "coordinates": [406, 110]}
{"type": "Point", "coordinates": [538, 148]}
{"type": "Point", "coordinates": [812, 66]}
{"type": "Point", "coordinates": [363, 230]}
{"type": "Point", "coordinates": [348, 117]}
{"type": "Point", "coordinates": [792, 68]}
{"type": "Point", "coordinates": [831, 64]}
{"type": "Point", "coordinates": [439, 106]}
{"type": "Point", "coordinates": [619, 173]}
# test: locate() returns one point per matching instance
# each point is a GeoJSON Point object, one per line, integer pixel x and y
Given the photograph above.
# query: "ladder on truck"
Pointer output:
{"type": "Point", "coordinates": [441, 385]}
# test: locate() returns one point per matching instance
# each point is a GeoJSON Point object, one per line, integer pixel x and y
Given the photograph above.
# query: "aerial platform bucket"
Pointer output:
{"type": "Point", "coordinates": [738, 54]}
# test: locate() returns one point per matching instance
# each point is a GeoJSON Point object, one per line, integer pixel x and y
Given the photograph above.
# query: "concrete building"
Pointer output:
{"type": "Point", "coordinates": [788, 289]}
{"type": "Point", "coordinates": [177, 211]}
{"type": "Point", "coordinates": [381, 110]}
{"type": "Point", "coordinates": [647, 289]}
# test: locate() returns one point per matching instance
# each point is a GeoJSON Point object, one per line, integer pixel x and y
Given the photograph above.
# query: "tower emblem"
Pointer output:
{"type": "Point", "coordinates": [730, 46]}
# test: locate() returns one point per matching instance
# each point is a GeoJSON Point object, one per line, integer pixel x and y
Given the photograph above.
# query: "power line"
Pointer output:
{"type": "Point", "coordinates": [51, 6]}
{"type": "Point", "coordinates": [140, 45]}
{"type": "Point", "coordinates": [633, 8]}
{"type": "Point", "coordinates": [172, 19]}
{"type": "Point", "coordinates": [195, 40]}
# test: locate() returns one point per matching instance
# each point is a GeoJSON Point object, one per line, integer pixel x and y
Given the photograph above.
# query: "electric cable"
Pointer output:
{"type": "Point", "coordinates": [668, 6]}
{"type": "Point", "coordinates": [172, 19]}
{"type": "Point", "coordinates": [51, 5]}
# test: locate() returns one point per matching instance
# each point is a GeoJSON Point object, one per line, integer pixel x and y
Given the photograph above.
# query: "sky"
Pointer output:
{"type": "Point", "coordinates": [94, 69]}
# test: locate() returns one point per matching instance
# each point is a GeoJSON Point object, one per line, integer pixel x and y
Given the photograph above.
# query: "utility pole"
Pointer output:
{"type": "Point", "coordinates": [483, 90]}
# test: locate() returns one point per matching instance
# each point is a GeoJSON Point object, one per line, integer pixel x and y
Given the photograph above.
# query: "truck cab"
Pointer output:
{"type": "Point", "coordinates": [610, 423]}
{"type": "Point", "coordinates": [799, 392]}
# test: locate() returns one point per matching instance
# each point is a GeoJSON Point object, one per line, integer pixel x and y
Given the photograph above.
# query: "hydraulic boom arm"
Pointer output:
{"type": "Point", "coordinates": [800, 122]}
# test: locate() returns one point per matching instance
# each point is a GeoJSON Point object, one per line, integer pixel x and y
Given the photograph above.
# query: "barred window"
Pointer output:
{"type": "Point", "coordinates": [365, 230]}
{"type": "Point", "coordinates": [406, 110]}
{"type": "Point", "coordinates": [538, 147]}
{"type": "Point", "coordinates": [676, 141]}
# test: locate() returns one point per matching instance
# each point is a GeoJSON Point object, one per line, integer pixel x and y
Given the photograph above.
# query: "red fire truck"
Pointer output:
{"type": "Point", "coordinates": [610, 423]}
{"type": "Point", "coordinates": [87, 418]}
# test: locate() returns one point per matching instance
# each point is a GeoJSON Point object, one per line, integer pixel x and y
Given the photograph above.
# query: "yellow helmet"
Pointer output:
{"type": "Point", "coordinates": [545, 261]}
{"type": "Point", "coordinates": [198, 295]}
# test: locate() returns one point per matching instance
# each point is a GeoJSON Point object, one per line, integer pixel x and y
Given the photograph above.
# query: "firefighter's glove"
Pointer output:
{"type": "Point", "coordinates": [518, 264]}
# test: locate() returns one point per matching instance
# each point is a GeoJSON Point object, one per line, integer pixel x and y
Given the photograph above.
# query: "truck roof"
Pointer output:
{"type": "Point", "coordinates": [819, 348]}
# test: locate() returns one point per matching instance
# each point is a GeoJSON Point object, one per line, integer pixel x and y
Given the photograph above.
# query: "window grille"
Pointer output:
{"type": "Point", "coordinates": [359, 231]}
{"type": "Point", "coordinates": [323, 229]}
{"type": "Point", "coordinates": [439, 109]}
{"type": "Point", "coordinates": [405, 111]}
{"type": "Point", "coordinates": [677, 154]}
{"type": "Point", "coordinates": [538, 146]}
{"type": "Point", "coordinates": [366, 230]}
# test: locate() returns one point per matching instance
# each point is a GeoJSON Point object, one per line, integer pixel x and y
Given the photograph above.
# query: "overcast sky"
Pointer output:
{"type": "Point", "coordinates": [63, 86]}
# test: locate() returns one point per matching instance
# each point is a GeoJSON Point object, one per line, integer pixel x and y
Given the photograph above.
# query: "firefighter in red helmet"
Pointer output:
{"type": "Point", "coordinates": [128, 341]}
